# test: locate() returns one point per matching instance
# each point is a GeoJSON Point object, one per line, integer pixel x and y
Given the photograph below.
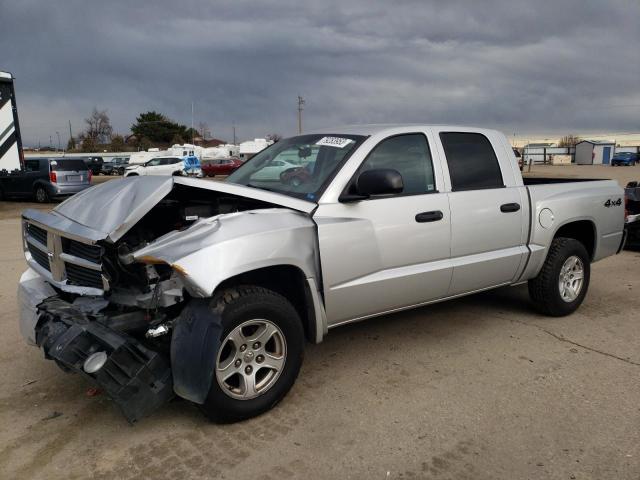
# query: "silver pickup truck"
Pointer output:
{"type": "Point", "coordinates": [209, 290]}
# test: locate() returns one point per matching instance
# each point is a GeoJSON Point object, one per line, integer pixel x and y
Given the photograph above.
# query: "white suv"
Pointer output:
{"type": "Point", "coordinates": [189, 166]}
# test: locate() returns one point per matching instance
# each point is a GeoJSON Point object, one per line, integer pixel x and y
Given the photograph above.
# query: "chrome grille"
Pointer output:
{"type": "Point", "coordinates": [38, 233]}
{"type": "Point", "coordinates": [40, 257]}
{"type": "Point", "coordinates": [86, 277]}
{"type": "Point", "coordinates": [66, 261]}
{"type": "Point", "coordinates": [92, 253]}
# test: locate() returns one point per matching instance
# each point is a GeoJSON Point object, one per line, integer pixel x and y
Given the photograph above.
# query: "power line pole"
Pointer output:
{"type": "Point", "coordinates": [191, 123]}
{"type": "Point", "coordinates": [71, 142]}
{"type": "Point", "coordinates": [300, 108]}
{"type": "Point", "coordinates": [234, 133]}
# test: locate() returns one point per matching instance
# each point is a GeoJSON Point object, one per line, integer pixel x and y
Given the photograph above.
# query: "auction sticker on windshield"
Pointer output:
{"type": "Point", "coordinates": [334, 142]}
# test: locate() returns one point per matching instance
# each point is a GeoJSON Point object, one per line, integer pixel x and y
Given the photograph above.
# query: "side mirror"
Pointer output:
{"type": "Point", "coordinates": [380, 181]}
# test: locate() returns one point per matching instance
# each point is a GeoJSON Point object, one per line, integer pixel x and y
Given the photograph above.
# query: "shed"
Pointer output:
{"type": "Point", "coordinates": [594, 152]}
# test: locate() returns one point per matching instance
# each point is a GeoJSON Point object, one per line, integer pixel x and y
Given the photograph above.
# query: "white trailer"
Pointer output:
{"type": "Point", "coordinates": [10, 141]}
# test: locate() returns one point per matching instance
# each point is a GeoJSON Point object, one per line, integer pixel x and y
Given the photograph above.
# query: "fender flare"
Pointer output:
{"type": "Point", "coordinates": [194, 349]}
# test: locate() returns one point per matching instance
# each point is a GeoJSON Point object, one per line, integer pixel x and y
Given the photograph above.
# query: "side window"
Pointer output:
{"type": "Point", "coordinates": [32, 165]}
{"type": "Point", "coordinates": [473, 164]}
{"type": "Point", "coordinates": [154, 163]}
{"type": "Point", "coordinates": [410, 156]}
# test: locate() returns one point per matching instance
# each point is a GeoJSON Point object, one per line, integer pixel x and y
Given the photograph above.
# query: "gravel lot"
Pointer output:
{"type": "Point", "coordinates": [477, 388]}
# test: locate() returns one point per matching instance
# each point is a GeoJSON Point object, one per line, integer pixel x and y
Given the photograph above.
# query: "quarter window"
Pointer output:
{"type": "Point", "coordinates": [32, 165]}
{"type": "Point", "coordinates": [473, 164]}
{"type": "Point", "coordinates": [410, 156]}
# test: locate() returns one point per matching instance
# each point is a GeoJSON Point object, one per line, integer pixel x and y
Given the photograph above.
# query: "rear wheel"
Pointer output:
{"type": "Point", "coordinates": [562, 284]}
{"type": "Point", "coordinates": [40, 194]}
{"type": "Point", "coordinates": [260, 353]}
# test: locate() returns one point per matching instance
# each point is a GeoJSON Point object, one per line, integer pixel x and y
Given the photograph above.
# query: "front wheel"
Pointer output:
{"type": "Point", "coordinates": [562, 284]}
{"type": "Point", "coordinates": [259, 356]}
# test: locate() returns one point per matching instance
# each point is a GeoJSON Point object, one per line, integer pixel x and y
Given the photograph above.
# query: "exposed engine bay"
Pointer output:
{"type": "Point", "coordinates": [123, 311]}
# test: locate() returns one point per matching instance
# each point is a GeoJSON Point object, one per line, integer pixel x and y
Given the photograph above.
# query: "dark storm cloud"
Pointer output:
{"type": "Point", "coordinates": [522, 66]}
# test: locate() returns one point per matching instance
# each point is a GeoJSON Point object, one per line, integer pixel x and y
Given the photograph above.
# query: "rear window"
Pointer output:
{"type": "Point", "coordinates": [473, 164]}
{"type": "Point", "coordinates": [67, 165]}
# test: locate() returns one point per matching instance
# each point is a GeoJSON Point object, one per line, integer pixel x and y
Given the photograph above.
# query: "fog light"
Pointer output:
{"type": "Point", "coordinates": [95, 362]}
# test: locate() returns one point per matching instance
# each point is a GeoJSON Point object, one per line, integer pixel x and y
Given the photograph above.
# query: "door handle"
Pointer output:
{"type": "Point", "coordinates": [429, 216]}
{"type": "Point", "coordinates": [510, 207]}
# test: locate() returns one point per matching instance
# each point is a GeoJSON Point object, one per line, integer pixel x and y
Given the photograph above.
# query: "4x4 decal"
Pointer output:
{"type": "Point", "coordinates": [613, 203]}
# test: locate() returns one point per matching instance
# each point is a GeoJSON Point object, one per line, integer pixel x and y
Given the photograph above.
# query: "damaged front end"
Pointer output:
{"type": "Point", "coordinates": [123, 298]}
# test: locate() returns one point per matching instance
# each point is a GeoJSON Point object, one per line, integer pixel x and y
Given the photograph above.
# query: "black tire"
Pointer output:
{"type": "Point", "coordinates": [240, 304]}
{"type": "Point", "coordinates": [133, 175]}
{"type": "Point", "coordinates": [544, 289]}
{"type": "Point", "coordinates": [40, 194]}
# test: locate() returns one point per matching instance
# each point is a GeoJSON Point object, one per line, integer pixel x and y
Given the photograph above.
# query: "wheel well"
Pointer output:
{"type": "Point", "coordinates": [288, 281]}
{"type": "Point", "coordinates": [583, 231]}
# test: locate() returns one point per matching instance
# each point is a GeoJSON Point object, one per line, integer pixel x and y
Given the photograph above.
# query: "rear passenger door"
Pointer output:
{"type": "Point", "coordinates": [487, 223]}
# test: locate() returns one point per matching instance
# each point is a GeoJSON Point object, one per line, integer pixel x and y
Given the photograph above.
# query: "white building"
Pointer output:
{"type": "Point", "coordinates": [595, 152]}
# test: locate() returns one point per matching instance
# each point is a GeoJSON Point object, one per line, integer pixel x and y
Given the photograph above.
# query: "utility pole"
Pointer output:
{"type": "Point", "coordinates": [234, 133]}
{"type": "Point", "coordinates": [50, 143]}
{"type": "Point", "coordinates": [191, 123]}
{"type": "Point", "coordinates": [300, 108]}
{"type": "Point", "coordinates": [59, 145]}
{"type": "Point", "coordinates": [72, 144]}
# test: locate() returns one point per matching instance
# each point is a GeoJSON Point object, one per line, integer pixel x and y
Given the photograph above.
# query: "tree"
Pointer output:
{"type": "Point", "coordinates": [177, 139]}
{"type": "Point", "coordinates": [157, 128]}
{"type": "Point", "coordinates": [98, 126]}
{"type": "Point", "coordinates": [117, 143]}
{"type": "Point", "coordinates": [144, 143]}
{"type": "Point", "coordinates": [569, 141]}
{"type": "Point", "coordinates": [190, 134]}
{"type": "Point", "coordinates": [89, 145]}
{"type": "Point", "coordinates": [71, 144]}
{"type": "Point", "coordinates": [203, 130]}
{"type": "Point", "coordinates": [274, 137]}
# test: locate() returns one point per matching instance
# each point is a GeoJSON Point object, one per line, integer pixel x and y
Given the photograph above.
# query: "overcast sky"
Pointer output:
{"type": "Point", "coordinates": [525, 67]}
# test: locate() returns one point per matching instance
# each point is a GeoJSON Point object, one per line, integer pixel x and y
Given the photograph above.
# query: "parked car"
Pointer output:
{"type": "Point", "coordinates": [272, 169]}
{"type": "Point", "coordinates": [208, 290]}
{"type": "Point", "coordinates": [94, 164]}
{"type": "Point", "coordinates": [632, 214]}
{"type": "Point", "coordinates": [115, 166]}
{"type": "Point", "coordinates": [220, 166]}
{"type": "Point", "coordinates": [188, 166]}
{"type": "Point", "coordinates": [626, 159]}
{"type": "Point", "coordinates": [44, 179]}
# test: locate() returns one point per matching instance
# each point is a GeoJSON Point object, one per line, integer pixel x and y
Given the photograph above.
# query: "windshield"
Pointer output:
{"type": "Point", "coordinates": [298, 166]}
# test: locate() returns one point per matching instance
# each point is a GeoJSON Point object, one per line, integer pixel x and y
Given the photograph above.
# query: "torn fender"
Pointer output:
{"type": "Point", "coordinates": [217, 248]}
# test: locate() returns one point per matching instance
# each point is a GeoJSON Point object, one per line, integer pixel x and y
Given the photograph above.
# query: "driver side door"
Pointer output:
{"type": "Point", "coordinates": [390, 252]}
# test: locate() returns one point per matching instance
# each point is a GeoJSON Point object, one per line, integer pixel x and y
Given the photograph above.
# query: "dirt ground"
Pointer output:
{"type": "Point", "coordinates": [477, 388]}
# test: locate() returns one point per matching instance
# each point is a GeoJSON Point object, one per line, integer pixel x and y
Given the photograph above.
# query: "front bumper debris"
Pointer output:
{"type": "Point", "coordinates": [138, 379]}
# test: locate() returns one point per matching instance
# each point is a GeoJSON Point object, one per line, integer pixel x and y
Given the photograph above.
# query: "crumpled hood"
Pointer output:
{"type": "Point", "coordinates": [109, 210]}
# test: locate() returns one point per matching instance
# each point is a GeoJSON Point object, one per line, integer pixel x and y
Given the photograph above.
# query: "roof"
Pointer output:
{"type": "Point", "coordinates": [539, 145]}
{"type": "Point", "coordinates": [597, 142]}
{"type": "Point", "coordinates": [6, 75]}
{"type": "Point", "coordinates": [374, 129]}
